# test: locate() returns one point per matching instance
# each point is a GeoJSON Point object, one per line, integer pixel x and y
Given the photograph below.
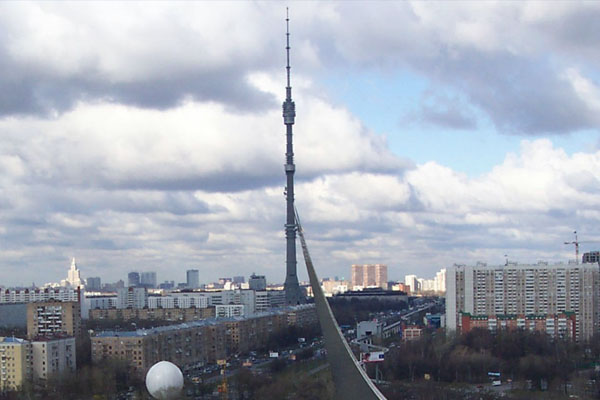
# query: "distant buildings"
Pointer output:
{"type": "Point", "coordinates": [93, 284]}
{"type": "Point", "coordinates": [11, 296]}
{"type": "Point", "coordinates": [132, 297]}
{"type": "Point", "coordinates": [73, 277]}
{"type": "Point", "coordinates": [368, 275]}
{"type": "Point", "coordinates": [133, 279]}
{"type": "Point", "coordinates": [517, 292]}
{"type": "Point", "coordinates": [148, 280]}
{"type": "Point", "coordinates": [418, 285]}
{"type": "Point", "coordinates": [591, 257]}
{"type": "Point", "coordinates": [257, 282]}
{"type": "Point", "coordinates": [192, 278]}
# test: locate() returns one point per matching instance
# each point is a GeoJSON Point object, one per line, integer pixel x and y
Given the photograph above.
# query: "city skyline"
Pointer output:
{"type": "Point", "coordinates": [427, 134]}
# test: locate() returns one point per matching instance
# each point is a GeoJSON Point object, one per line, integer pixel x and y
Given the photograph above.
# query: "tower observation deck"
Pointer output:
{"type": "Point", "coordinates": [293, 293]}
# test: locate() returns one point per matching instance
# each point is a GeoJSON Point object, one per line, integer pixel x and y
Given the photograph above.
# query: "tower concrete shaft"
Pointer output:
{"type": "Point", "coordinates": [293, 292]}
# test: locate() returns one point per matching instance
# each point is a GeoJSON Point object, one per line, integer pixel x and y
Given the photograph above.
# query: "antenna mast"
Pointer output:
{"type": "Point", "coordinates": [293, 294]}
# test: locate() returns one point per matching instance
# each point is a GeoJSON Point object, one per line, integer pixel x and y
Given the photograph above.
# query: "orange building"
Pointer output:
{"type": "Point", "coordinates": [561, 325]}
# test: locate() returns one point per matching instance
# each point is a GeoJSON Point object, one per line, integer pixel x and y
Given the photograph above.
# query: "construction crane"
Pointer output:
{"type": "Point", "coordinates": [576, 242]}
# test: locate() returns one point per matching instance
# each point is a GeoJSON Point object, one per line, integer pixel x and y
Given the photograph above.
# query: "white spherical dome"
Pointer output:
{"type": "Point", "coordinates": [164, 380]}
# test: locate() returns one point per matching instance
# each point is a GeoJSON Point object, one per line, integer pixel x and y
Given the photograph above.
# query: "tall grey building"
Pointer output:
{"type": "Point", "coordinates": [93, 283]}
{"type": "Point", "coordinates": [524, 289]}
{"type": "Point", "coordinates": [133, 279]}
{"type": "Point", "coordinates": [591, 257]}
{"type": "Point", "coordinates": [148, 279]}
{"type": "Point", "coordinates": [193, 278]}
{"type": "Point", "coordinates": [257, 282]}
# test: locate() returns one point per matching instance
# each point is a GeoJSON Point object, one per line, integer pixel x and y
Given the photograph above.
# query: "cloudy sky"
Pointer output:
{"type": "Point", "coordinates": [148, 136]}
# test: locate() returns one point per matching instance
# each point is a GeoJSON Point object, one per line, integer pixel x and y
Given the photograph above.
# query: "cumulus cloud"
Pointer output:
{"type": "Point", "coordinates": [149, 136]}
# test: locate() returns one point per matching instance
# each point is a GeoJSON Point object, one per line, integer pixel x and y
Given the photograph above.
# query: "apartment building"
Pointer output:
{"type": "Point", "coordinates": [22, 360]}
{"type": "Point", "coordinates": [165, 314]}
{"type": "Point", "coordinates": [53, 356]}
{"type": "Point", "coordinates": [230, 310]}
{"type": "Point", "coordinates": [15, 363]}
{"type": "Point", "coordinates": [46, 294]}
{"type": "Point", "coordinates": [195, 343]}
{"type": "Point", "coordinates": [53, 318]}
{"type": "Point", "coordinates": [186, 344]}
{"type": "Point", "coordinates": [369, 275]}
{"type": "Point", "coordinates": [562, 325]}
{"type": "Point", "coordinates": [525, 289]}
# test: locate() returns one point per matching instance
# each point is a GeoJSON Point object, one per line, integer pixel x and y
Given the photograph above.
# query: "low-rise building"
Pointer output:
{"type": "Point", "coordinates": [562, 325]}
{"type": "Point", "coordinates": [410, 333]}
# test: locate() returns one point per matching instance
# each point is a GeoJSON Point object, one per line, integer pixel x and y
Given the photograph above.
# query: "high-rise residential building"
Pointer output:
{"type": "Point", "coordinates": [413, 283]}
{"type": "Point", "coordinates": [257, 282]}
{"type": "Point", "coordinates": [523, 290]}
{"type": "Point", "coordinates": [591, 257]}
{"type": "Point", "coordinates": [369, 275]}
{"type": "Point", "coordinates": [15, 363]}
{"type": "Point", "coordinates": [193, 278]}
{"type": "Point", "coordinates": [439, 284]}
{"type": "Point", "coordinates": [132, 297]}
{"type": "Point", "coordinates": [93, 283]}
{"type": "Point", "coordinates": [148, 280]}
{"type": "Point", "coordinates": [239, 279]}
{"type": "Point", "coordinates": [53, 318]}
{"type": "Point", "coordinates": [133, 279]}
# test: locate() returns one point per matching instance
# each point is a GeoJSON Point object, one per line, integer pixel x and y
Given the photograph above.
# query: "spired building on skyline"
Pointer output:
{"type": "Point", "coordinates": [293, 293]}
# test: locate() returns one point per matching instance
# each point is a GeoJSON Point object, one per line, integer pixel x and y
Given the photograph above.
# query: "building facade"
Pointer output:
{"type": "Point", "coordinates": [15, 363]}
{"type": "Point", "coordinates": [148, 279]}
{"type": "Point", "coordinates": [369, 275]}
{"type": "Point", "coordinates": [133, 279]}
{"type": "Point", "coordinates": [196, 343]}
{"type": "Point", "coordinates": [192, 278]}
{"type": "Point", "coordinates": [562, 325]}
{"type": "Point", "coordinates": [22, 360]}
{"type": "Point", "coordinates": [53, 319]}
{"type": "Point", "coordinates": [53, 357]}
{"type": "Point", "coordinates": [516, 289]}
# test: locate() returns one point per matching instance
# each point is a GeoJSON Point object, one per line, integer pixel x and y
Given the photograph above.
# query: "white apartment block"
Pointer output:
{"type": "Point", "coordinates": [230, 310]}
{"type": "Point", "coordinates": [53, 356]}
{"type": "Point", "coordinates": [413, 283]}
{"type": "Point", "coordinates": [538, 289]}
{"type": "Point", "coordinates": [132, 297]}
{"type": "Point", "coordinates": [40, 295]}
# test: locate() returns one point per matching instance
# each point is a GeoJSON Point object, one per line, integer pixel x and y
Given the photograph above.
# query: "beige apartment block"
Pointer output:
{"type": "Point", "coordinates": [53, 318]}
{"type": "Point", "coordinates": [525, 289]}
{"type": "Point", "coordinates": [15, 363]}
{"type": "Point", "coordinates": [196, 343]}
{"type": "Point", "coordinates": [369, 275]}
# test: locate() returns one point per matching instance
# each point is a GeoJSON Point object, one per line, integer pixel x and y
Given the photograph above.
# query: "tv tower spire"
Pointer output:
{"type": "Point", "coordinates": [293, 294]}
